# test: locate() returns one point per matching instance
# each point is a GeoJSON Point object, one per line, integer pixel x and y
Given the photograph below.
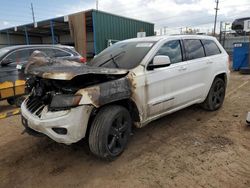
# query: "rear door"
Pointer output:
{"type": "Point", "coordinates": [198, 69]}
{"type": "Point", "coordinates": [217, 60]}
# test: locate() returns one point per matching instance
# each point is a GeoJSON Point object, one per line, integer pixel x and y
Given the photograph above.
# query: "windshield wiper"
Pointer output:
{"type": "Point", "coordinates": [113, 59]}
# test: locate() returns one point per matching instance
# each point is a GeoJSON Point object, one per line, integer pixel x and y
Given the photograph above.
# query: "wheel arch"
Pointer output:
{"type": "Point", "coordinates": [128, 103]}
{"type": "Point", "coordinates": [222, 75]}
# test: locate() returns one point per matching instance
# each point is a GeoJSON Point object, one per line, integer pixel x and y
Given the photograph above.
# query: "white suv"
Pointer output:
{"type": "Point", "coordinates": [133, 82]}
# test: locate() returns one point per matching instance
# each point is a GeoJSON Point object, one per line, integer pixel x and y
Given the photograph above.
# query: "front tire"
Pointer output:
{"type": "Point", "coordinates": [109, 132]}
{"type": "Point", "coordinates": [215, 96]}
{"type": "Point", "coordinates": [19, 101]}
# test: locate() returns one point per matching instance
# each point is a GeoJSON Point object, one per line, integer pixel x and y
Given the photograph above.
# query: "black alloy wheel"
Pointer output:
{"type": "Point", "coordinates": [216, 95]}
{"type": "Point", "coordinates": [118, 134]}
{"type": "Point", "coordinates": [110, 132]}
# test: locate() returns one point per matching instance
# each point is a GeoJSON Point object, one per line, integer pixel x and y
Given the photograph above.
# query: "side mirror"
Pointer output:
{"type": "Point", "coordinates": [6, 62]}
{"type": "Point", "coordinates": [159, 61]}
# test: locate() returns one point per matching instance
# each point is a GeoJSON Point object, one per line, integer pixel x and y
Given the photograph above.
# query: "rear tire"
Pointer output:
{"type": "Point", "coordinates": [109, 132]}
{"type": "Point", "coordinates": [215, 96]}
{"type": "Point", "coordinates": [11, 101]}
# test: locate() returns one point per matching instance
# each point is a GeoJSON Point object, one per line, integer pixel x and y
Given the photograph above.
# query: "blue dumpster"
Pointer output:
{"type": "Point", "coordinates": [240, 55]}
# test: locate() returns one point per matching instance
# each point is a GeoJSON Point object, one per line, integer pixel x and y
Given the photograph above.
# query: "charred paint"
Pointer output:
{"type": "Point", "coordinates": [109, 84]}
{"type": "Point", "coordinates": [58, 69]}
{"type": "Point", "coordinates": [114, 90]}
{"type": "Point", "coordinates": [107, 92]}
{"type": "Point", "coordinates": [134, 97]}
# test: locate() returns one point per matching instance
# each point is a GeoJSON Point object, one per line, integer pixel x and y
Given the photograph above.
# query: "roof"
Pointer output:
{"type": "Point", "coordinates": [121, 16]}
{"type": "Point", "coordinates": [59, 24]}
{"type": "Point", "coordinates": [241, 19]}
{"type": "Point", "coordinates": [158, 38]}
{"type": "Point", "coordinates": [33, 46]}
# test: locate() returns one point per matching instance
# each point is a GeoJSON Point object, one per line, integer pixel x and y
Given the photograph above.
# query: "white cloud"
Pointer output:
{"type": "Point", "coordinates": [78, 7]}
{"type": "Point", "coordinates": [175, 14]}
{"type": "Point", "coordinates": [5, 23]}
{"type": "Point", "coordinates": [171, 14]}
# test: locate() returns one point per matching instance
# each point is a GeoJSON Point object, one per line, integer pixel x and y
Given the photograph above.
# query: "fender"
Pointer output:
{"type": "Point", "coordinates": [211, 82]}
{"type": "Point", "coordinates": [107, 92]}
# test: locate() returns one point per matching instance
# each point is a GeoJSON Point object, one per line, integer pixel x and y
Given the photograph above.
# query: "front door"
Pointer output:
{"type": "Point", "coordinates": [166, 87]}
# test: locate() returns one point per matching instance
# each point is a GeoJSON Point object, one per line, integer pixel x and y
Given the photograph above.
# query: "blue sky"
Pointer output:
{"type": "Point", "coordinates": [173, 15]}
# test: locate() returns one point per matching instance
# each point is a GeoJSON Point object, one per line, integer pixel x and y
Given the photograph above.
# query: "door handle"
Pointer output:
{"type": "Point", "coordinates": [209, 62]}
{"type": "Point", "coordinates": [183, 68]}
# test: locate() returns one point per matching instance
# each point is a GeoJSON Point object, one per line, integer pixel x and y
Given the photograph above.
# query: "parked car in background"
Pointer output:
{"type": "Point", "coordinates": [133, 81]}
{"type": "Point", "coordinates": [238, 25]}
{"type": "Point", "coordinates": [13, 60]}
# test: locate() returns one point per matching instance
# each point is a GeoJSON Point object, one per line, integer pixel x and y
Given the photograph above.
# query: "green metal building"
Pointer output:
{"type": "Point", "coordinates": [108, 26]}
{"type": "Point", "coordinates": [89, 31]}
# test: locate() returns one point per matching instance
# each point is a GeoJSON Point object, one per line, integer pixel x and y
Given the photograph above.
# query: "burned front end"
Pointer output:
{"type": "Point", "coordinates": [63, 94]}
{"type": "Point", "coordinates": [52, 94]}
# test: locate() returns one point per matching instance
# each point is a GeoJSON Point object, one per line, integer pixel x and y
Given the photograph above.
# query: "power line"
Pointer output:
{"type": "Point", "coordinates": [139, 11]}
{"type": "Point", "coordinates": [142, 11]}
{"type": "Point", "coordinates": [152, 20]}
{"type": "Point", "coordinates": [42, 9]}
{"type": "Point", "coordinates": [205, 23]}
{"type": "Point", "coordinates": [215, 18]}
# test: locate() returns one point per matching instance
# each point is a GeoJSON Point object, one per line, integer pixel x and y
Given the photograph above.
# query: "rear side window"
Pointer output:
{"type": "Point", "coordinates": [193, 48]}
{"type": "Point", "coordinates": [52, 52]}
{"type": "Point", "coordinates": [71, 50]}
{"type": "Point", "coordinates": [211, 47]}
{"type": "Point", "coordinates": [60, 53]}
{"type": "Point", "coordinates": [172, 49]}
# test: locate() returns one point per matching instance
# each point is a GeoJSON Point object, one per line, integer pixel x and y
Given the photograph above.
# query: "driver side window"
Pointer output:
{"type": "Point", "coordinates": [172, 49]}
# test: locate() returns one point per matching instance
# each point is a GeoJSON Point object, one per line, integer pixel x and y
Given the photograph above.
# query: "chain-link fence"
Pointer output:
{"type": "Point", "coordinates": [228, 42]}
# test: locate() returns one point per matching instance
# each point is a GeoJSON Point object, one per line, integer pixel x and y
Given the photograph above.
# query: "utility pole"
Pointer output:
{"type": "Point", "coordinates": [165, 30]}
{"type": "Point", "coordinates": [220, 31]}
{"type": "Point", "coordinates": [33, 14]}
{"type": "Point", "coordinates": [215, 18]}
{"type": "Point", "coordinates": [225, 31]}
{"type": "Point", "coordinates": [96, 4]}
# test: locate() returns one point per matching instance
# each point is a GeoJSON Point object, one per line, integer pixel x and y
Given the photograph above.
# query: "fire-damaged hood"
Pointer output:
{"type": "Point", "coordinates": [42, 66]}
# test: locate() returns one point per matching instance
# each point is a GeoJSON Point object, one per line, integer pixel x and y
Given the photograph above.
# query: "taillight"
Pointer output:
{"type": "Point", "coordinates": [83, 60]}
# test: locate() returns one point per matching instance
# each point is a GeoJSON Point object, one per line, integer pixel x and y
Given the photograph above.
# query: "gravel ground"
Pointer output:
{"type": "Point", "coordinates": [190, 148]}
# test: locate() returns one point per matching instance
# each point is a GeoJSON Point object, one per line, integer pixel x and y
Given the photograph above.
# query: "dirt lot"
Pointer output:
{"type": "Point", "coordinates": [190, 148]}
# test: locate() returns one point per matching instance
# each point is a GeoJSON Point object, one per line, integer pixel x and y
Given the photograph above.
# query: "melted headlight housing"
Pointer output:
{"type": "Point", "coordinates": [64, 101]}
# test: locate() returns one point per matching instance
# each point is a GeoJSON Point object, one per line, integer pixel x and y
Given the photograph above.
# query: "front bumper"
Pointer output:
{"type": "Point", "coordinates": [74, 120]}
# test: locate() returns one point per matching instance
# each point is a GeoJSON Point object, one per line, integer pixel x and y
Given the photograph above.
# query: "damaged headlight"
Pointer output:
{"type": "Point", "coordinates": [63, 101]}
